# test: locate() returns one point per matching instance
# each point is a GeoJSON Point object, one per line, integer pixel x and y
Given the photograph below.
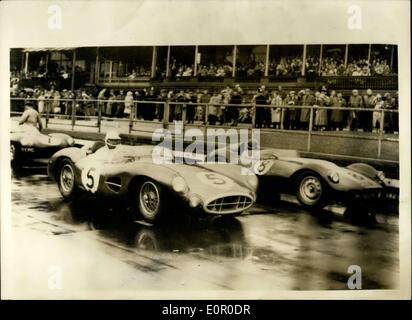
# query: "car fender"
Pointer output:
{"type": "Point", "coordinates": [72, 153]}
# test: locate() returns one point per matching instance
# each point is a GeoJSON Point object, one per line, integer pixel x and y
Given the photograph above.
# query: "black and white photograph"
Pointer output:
{"type": "Point", "coordinates": [173, 149]}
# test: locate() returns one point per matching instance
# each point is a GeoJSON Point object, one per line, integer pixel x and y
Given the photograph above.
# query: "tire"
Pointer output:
{"type": "Point", "coordinates": [150, 200]}
{"type": "Point", "coordinates": [311, 190]}
{"type": "Point", "coordinates": [66, 179]}
{"type": "Point", "coordinates": [15, 154]}
{"type": "Point", "coordinates": [360, 214]}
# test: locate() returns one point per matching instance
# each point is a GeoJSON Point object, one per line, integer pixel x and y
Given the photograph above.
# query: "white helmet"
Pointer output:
{"type": "Point", "coordinates": [112, 139]}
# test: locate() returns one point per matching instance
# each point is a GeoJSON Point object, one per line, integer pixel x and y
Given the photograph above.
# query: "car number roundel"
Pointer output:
{"type": "Point", "coordinates": [214, 179]}
{"type": "Point", "coordinates": [90, 178]}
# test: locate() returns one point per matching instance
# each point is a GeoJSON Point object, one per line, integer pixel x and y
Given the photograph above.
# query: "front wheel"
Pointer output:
{"type": "Point", "coordinates": [150, 197]}
{"type": "Point", "coordinates": [311, 190]}
{"type": "Point", "coordinates": [66, 179]}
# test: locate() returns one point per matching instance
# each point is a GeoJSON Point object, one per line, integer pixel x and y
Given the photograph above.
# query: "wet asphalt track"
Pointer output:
{"type": "Point", "coordinates": [274, 247]}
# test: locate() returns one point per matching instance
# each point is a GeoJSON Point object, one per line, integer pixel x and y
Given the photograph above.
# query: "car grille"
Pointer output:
{"type": "Point", "coordinates": [369, 194]}
{"type": "Point", "coordinates": [229, 204]}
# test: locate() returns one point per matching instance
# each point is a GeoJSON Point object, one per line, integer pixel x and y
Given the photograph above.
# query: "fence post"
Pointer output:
{"type": "Point", "coordinates": [381, 126]}
{"type": "Point", "coordinates": [47, 112]}
{"type": "Point", "coordinates": [310, 129]}
{"type": "Point", "coordinates": [166, 111]}
{"type": "Point", "coordinates": [254, 108]}
{"type": "Point", "coordinates": [99, 117]}
{"type": "Point", "coordinates": [132, 113]}
{"type": "Point", "coordinates": [73, 102]}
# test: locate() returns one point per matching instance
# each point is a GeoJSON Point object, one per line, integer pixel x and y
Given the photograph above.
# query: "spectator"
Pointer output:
{"type": "Point", "coordinates": [365, 117]}
{"type": "Point", "coordinates": [276, 110]}
{"type": "Point", "coordinates": [40, 102]}
{"type": "Point", "coordinates": [232, 111]}
{"type": "Point", "coordinates": [101, 104]}
{"type": "Point", "coordinates": [214, 104]}
{"type": "Point", "coordinates": [110, 104]}
{"type": "Point", "coordinates": [262, 118]}
{"type": "Point", "coordinates": [377, 115]}
{"type": "Point", "coordinates": [190, 106]}
{"type": "Point", "coordinates": [128, 104]}
{"type": "Point", "coordinates": [291, 115]}
{"type": "Point", "coordinates": [321, 114]}
{"type": "Point", "coordinates": [390, 119]}
{"type": "Point", "coordinates": [337, 116]}
{"type": "Point", "coordinates": [355, 101]}
{"type": "Point", "coordinates": [307, 100]}
{"type": "Point", "coordinates": [120, 104]}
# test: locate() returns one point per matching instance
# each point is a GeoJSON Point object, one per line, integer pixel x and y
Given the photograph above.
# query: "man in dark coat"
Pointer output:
{"type": "Point", "coordinates": [308, 99]}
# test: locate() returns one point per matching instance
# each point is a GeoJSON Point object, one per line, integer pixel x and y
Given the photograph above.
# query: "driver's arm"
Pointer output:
{"type": "Point", "coordinates": [23, 118]}
{"type": "Point", "coordinates": [39, 122]}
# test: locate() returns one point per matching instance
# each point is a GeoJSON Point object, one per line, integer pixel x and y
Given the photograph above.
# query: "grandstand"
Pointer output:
{"type": "Point", "coordinates": [337, 66]}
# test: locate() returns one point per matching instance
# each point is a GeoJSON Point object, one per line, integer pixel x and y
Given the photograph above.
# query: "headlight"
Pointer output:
{"type": "Point", "coordinates": [334, 177]}
{"type": "Point", "coordinates": [252, 180]}
{"type": "Point", "coordinates": [194, 201]}
{"type": "Point", "coordinates": [179, 184]}
{"type": "Point", "coordinates": [70, 141]}
{"type": "Point", "coordinates": [381, 175]}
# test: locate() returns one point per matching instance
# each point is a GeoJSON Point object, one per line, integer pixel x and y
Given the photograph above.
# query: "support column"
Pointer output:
{"type": "Point", "coordinates": [267, 61]}
{"type": "Point", "coordinates": [392, 56]}
{"type": "Point", "coordinates": [304, 59]}
{"type": "Point", "coordinates": [234, 60]}
{"type": "Point", "coordinates": [26, 64]}
{"type": "Point", "coordinates": [73, 70]}
{"type": "Point", "coordinates": [369, 54]}
{"type": "Point", "coordinates": [168, 62]}
{"type": "Point", "coordinates": [345, 63]}
{"type": "Point", "coordinates": [110, 70]}
{"type": "Point", "coordinates": [46, 63]}
{"type": "Point", "coordinates": [320, 59]}
{"type": "Point", "coordinates": [195, 65]}
{"type": "Point", "coordinates": [97, 69]}
{"type": "Point", "coordinates": [154, 58]}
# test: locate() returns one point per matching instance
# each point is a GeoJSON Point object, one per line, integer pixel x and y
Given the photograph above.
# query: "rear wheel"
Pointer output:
{"type": "Point", "coordinates": [311, 190]}
{"type": "Point", "coordinates": [15, 153]}
{"type": "Point", "coordinates": [66, 179]}
{"type": "Point", "coordinates": [150, 195]}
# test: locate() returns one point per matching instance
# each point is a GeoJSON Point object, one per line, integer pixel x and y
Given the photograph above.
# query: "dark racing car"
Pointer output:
{"type": "Point", "coordinates": [28, 144]}
{"type": "Point", "coordinates": [316, 182]}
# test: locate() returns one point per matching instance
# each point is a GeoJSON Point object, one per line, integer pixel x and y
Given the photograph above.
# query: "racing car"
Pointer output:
{"type": "Point", "coordinates": [129, 174]}
{"type": "Point", "coordinates": [27, 143]}
{"type": "Point", "coordinates": [315, 182]}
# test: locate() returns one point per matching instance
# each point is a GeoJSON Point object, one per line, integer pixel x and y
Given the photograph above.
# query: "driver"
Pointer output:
{"type": "Point", "coordinates": [112, 140]}
{"type": "Point", "coordinates": [112, 148]}
{"type": "Point", "coordinates": [31, 116]}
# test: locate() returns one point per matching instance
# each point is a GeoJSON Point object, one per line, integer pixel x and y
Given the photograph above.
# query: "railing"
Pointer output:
{"type": "Point", "coordinates": [332, 82]}
{"type": "Point", "coordinates": [284, 118]}
{"type": "Point", "coordinates": [361, 82]}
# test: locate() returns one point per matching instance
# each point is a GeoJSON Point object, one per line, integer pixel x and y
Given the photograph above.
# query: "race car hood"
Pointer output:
{"type": "Point", "coordinates": [215, 179]}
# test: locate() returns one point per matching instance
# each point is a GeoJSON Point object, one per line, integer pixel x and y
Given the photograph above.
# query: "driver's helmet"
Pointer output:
{"type": "Point", "coordinates": [112, 139]}
{"type": "Point", "coordinates": [253, 144]}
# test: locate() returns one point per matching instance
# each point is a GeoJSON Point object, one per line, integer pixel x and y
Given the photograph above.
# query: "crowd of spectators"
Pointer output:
{"type": "Point", "coordinates": [329, 114]}
{"type": "Point", "coordinates": [277, 109]}
{"type": "Point", "coordinates": [330, 66]}
{"type": "Point", "coordinates": [214, 70]}
{"type": "Point", "coordinates": [139, 71]}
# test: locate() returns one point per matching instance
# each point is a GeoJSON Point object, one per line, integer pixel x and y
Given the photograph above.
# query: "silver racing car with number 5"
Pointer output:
{"type": "Point", "coordinates": [130, 174]}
